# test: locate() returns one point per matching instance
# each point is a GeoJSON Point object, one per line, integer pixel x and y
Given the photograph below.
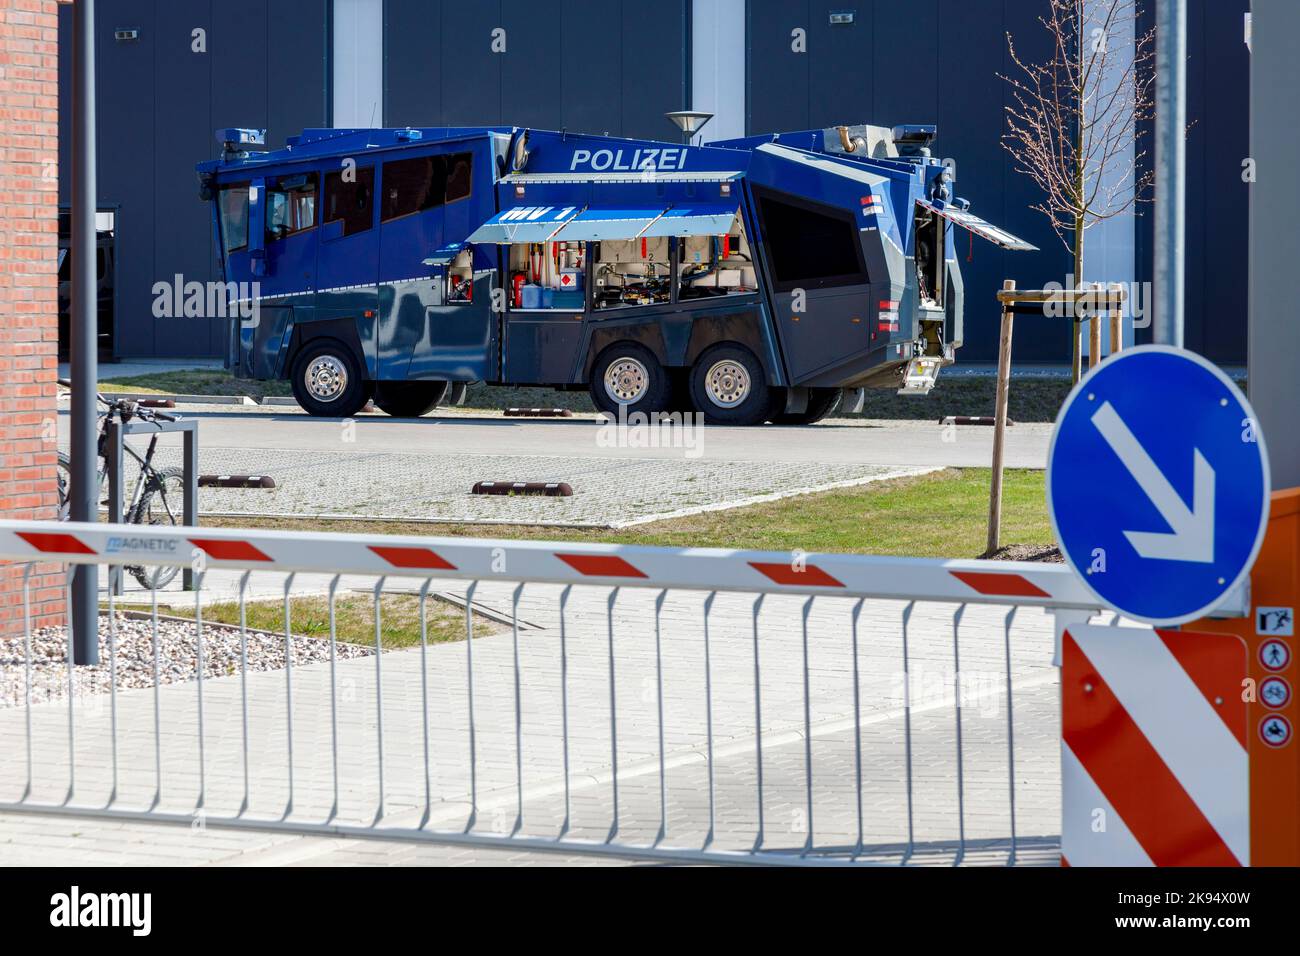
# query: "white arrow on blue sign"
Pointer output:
{"type": "Point", "coordinates": [1158, 484]}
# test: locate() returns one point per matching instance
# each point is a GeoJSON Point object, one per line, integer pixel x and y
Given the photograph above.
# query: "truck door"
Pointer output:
{"type": "Point", "coordinates": [806, 209]}
{"type": "Point", "coordinates": [347, 259]}
{"type": "Point", "coordinates": [291, 216]}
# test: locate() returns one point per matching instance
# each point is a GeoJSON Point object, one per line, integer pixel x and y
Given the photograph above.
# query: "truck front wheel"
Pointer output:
{"type": "Point", "coordinates": [628, 376]}
{"type": "Point", "coordinates": [729, 386]}
{"type": "Point", "coordinates": [409, 399]}
{"type": "Point", "coordinates": [327, 381]}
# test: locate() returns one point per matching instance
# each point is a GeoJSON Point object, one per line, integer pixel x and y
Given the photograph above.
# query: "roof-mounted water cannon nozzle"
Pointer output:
{"type": "Point", "coordinates": [237, 143]}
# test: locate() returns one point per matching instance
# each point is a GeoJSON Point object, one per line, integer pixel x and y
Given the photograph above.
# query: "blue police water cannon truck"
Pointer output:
{"type": "Point", "coordinates": [764, 279]}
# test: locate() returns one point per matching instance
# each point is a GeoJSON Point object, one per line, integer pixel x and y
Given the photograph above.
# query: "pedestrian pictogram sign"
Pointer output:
{"type": "Point", "coordinates": [1275, 655]}
{"type": "Point", "coordinates": [1158, 484]}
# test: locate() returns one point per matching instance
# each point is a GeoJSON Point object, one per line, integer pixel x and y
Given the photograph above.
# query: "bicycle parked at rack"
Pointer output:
{"type": "Point", "coordinates": [158, 496]}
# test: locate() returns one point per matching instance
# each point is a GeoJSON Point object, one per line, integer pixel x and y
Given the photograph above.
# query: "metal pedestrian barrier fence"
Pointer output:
{"type": "Point", "coordinates": [691, 705]}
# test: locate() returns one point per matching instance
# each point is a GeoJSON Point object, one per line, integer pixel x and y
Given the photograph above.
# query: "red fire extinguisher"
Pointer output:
{"type": "Point", "coordinates": [517, 289]}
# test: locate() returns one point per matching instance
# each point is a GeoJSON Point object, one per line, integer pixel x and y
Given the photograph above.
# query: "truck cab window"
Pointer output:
{"type": "Point", "coordinates": [413, 185]}
{"type": "Point", "coordinates": [232, 208]}
{"type": "Point", "coordinates": [290, 205]}
{"type": "Point", "coordinates": [351, 200]}
{"type": "Point", "coordinates": [547, 275]}
{"type": "Point", "coordinates": [810, 247]}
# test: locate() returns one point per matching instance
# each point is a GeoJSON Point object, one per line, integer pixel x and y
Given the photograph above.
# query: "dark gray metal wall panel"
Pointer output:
{"type": "Point", "coordinates": [1218, 201]}
{"type": "Point", "coordinates": [917, 99]}
{"type": "Point", "coordinates": [654, 66]}
{"type": "Point", "coordinates": [531, 94]}
{"type": "Point", "coordinates": [776, 78]}
{"type": "Point", "coordinates": [971, 119]}
{"type": "Point", "coordinates": [1218, 69]}
{"type": "Point", "coordinates": [125, 162]}
{"type": "Point", "coordinates": [182, 136]}
{"type": "Point", "coordinates": [591, 66]}
{"type": "Point", "coordinates": [840, 70]}
{"type": "Point", "coordinates": [471, 72]}
{"type": "Point", "coordinates": [412, 70]}
{"type": "Point", "coordinates": [297, 67]}
{"type": "Point", "coordinates": [238, 45]}
{"type": "Point", "coordinates": [158, 103]}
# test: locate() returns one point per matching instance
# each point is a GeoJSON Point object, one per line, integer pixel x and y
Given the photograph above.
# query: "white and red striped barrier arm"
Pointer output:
{"type": "Point", "coordinates": [710, 569]}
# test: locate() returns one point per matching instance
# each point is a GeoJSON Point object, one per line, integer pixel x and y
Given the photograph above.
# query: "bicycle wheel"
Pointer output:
{"type": "Point", "coordinates": [63, 476]}
{"type": "Point", "coordinates": [162, 503]}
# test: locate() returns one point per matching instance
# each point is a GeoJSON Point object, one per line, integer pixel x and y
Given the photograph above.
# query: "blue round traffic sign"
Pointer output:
{"type": "Point", "coordinates": [1158, 484]}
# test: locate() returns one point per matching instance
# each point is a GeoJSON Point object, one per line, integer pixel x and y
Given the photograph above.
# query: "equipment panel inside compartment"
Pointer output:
{"type": "Point", "coordinates": [630, 272]}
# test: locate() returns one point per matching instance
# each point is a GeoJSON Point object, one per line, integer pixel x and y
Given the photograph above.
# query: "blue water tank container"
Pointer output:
{"type": "Point", "coordinates": [531, 296]}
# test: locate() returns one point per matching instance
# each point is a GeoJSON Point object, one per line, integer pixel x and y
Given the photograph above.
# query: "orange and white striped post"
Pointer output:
{"type": "Point", "coordinates": [1178, 746]}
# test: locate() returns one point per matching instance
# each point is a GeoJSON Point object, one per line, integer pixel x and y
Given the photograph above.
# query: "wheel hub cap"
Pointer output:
{"type": "Point", "coordinates": [626, 381]}
{"type": "Point", "coordinates": [326, 378]}
{"type": "Point", "coordinates": [727, 384]}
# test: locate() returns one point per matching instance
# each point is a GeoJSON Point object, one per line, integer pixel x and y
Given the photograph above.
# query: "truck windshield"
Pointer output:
{"type": "Point", "coordinates": [232, 203]}
{"type": "Point", "coordinates": [290, 205]}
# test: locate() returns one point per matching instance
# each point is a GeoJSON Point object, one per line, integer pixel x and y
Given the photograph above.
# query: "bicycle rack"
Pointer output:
{"type": "Point", "coordinates": [117, 432]}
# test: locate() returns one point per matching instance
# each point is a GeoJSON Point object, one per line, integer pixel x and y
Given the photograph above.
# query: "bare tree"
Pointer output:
{"type": "Point", "coordinates": [1076, 121]}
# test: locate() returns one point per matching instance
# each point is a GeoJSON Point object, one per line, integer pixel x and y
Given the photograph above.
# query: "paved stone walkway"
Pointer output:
{"type": "Point", "coordinates": [684, 803]}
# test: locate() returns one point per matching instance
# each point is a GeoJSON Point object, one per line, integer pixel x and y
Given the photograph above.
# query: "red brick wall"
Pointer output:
{"type": "Point", "coordinates": [29, 198]}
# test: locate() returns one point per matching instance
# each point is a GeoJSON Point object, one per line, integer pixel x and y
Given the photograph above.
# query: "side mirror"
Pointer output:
{"type": "Point", "coordinates": [257, 227]}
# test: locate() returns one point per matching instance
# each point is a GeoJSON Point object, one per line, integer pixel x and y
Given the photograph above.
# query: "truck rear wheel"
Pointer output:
{"type": "Point", "coordinates": [327, 381]}
{"type": "Point", "coordinates": [729, 386]}
{"type": "Point", "coordinates": [409, 399]}
{"type": "Point", "coordinates": [821, 402]}
{"type": "Point", "coordinates": [628, 376]}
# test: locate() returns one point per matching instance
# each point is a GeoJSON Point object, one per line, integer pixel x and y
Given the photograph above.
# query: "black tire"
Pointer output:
{"type": "Point", "coordinates": [163, 503]}
{"type": "Point", "coordinates": [410, 399]}
{"type": "Point", "coordinates": [628, 376]}
{"type": "Point", "coordinates": [821, 402]}
{"type": "Point", "coordinates": [327, 381]}
{"type": "Point", "coordinates": [729, 386]}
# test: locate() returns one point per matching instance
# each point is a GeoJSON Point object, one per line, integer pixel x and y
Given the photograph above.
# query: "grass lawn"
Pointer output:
{"type": "Point", "coordinates": [1031, 400]}
{"type": "Point", "coordinates": [214, 381]}
{"type": "Point", "coordinates": [354, 617]}
{"type": "Point", "coordinates": [940, 515]}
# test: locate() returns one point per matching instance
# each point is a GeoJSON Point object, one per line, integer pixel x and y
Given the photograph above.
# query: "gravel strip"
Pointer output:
{"type": "Point", "coordinates": [177, 658]}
